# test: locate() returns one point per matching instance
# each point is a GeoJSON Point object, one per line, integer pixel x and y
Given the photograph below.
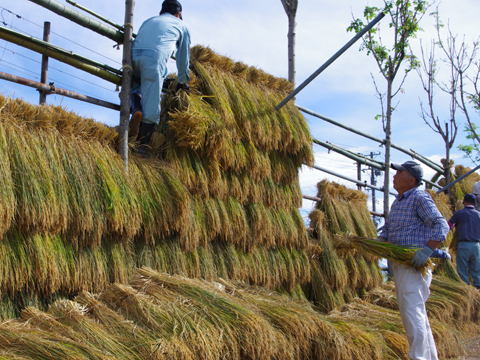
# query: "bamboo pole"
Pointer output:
{"type": "Point", "coordinates": [50, 89]}
{"type": "Point", "coordinates": [360, 159]}
{"type": "Point", "coordinates": [314, 198]}
{"type": "Point", "coordinates": [363, 184]}
{"type": "Point", "coordinates": [311, 198]}
{"type": "Point", "coordinates": [104, 19]}
{"type": "Point", "coordinates": [428, 163]}
{"type": "Point", "coordinates": [126, 82]}
{"type": "Point", "coordinates": [424, 158]}
{"type": "Point", "coordinates": [331, 60]}
{"type": "Point", "coordinates": [81, 19]}
{"type": "Point", "coordinates": [363, 160]}
{"type": "Point", "coordinates": [102, 71]}
{"type": "Point", "coordinates": [457, 180]}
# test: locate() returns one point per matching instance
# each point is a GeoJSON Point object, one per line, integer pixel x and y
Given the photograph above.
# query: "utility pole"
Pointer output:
{"type": "Point", "coordinates": [44, 74]}
{"type": "Point", "coordinates": [126, 82]}
{"type": "Point", "coordinates": [373, 181]}
{"type": "Point", "coordinates": [359, 172]}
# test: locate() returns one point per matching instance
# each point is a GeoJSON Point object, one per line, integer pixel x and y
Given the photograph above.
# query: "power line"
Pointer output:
{"type": "Point", "coordinates": [61, 71]}
{"type": "Point", "coordinates": [9, 67]}
{"type": "Point", "coordinates": [52, 32]}
{"type": "Point", "coordinates": [1, 13]}
{"type": "Point", "coordinates": [67, 86]}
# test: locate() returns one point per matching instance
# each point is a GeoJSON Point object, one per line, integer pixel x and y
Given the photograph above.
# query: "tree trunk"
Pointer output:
{"type": "Point", "coordinates": [291, 46]}
{"type": "Point", "coordinates": [290, 7]}
{"type": "Point", "coordinates": [126, 83]}
{"type": "Point", "coordinates": [447, 169]}
{"type": "Point", "coordinates": [388, 143]}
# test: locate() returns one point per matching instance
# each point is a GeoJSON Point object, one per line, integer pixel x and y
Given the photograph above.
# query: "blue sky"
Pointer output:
{"type": "Point", "coordinates": [255, 32]}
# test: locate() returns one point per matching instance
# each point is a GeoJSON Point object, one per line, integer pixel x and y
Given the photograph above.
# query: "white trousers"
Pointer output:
{"type": "Point", "coordinates": [412, 292]}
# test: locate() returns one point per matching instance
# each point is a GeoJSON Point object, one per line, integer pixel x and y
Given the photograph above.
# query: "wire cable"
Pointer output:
{"type": "Point", "coordinates": [58, 70]}
{"type": "Point", "coordinates": [52, 32]}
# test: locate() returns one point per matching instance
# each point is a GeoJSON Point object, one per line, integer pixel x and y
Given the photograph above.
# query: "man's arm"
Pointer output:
{"type": "Point", "coordinates": [428, 212]}
{"type": "Point", "coordinates": [453, 221]}
{"type": "Point", "coordinates": [433, 244]}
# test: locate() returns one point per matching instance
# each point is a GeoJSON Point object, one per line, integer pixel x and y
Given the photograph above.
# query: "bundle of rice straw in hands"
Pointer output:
{"type": "Point", "coordinates": [381, 249]}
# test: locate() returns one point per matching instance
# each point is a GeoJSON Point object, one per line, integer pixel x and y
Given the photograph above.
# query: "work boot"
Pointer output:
{"type": "Point", "coordinates": [134, 124]}
{"type": "Point", "coordinates": [136, 110]}
{"type": "Point", "coordinates": [144, 135]}
{"type": "Point", "coordinates": [166, 84]}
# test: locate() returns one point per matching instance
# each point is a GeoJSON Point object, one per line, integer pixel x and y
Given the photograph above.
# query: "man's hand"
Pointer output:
{"type": "Point", "coordinates": [440, 254]}
{"type": "Point", "coordinates": [421, 256]}
{"type": "Point", "coordinates": [183, 87]}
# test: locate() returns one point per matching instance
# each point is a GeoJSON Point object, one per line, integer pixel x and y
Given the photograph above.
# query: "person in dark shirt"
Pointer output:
{"type": "Point", "coordinates": [467, 223]}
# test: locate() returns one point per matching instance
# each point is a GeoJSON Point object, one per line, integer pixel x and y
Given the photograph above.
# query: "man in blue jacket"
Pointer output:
{"type": "Point", "coordinates": [467, 222]}
{"type": "Point", "coordinates": [157, 40]}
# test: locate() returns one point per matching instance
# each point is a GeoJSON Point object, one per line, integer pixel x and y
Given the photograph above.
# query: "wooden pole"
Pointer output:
{"type": "Point", "coordinates": [314, 198]}
{"type": "Point", "coordinates": [50, 89]}
{"type": "Point", "coordinates": [359, 172]}
{"type": "Point", "coordinates": [105, 20]}
{"type": "Point", "coordinates": [81, 19]}
{"type": "Point", "coordinates": [414, 155]}
{"type": "Point", "coordinates": [331, 60]}
{"type": "Point", "coordinates": [126, 82]}
{"type": "Point", "coordinates": [44, 75]}
{"type": "Point", "coordinates": [68, 57]}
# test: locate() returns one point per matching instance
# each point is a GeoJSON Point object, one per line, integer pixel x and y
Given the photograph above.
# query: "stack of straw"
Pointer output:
{"type": "Point", "coordinates": [340, 273]}
{"type": "Point", "coordinates": [218, 195]}
{"type": "Point", "coordinates": [157, 316]}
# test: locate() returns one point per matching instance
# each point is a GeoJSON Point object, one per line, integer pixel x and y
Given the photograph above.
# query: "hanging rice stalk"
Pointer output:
{"type": "Point", "coordinates": [7, 198]}
{"type": "Point", "coordinates": [382, 249]}
{"type": "Point", "coordinates": [445, 268]}
{"type": "Point", "coordinates": [466, 184]}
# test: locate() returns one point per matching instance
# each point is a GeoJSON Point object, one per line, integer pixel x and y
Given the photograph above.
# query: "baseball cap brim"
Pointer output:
{"type": "Point", "coordinates": [397, 167]}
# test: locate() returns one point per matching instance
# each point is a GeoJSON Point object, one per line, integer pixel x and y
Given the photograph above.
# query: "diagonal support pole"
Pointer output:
{"type": "Point", "coordinates": [331, 60]}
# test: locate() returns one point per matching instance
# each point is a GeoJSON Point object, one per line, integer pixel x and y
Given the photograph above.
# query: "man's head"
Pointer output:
{"type": "Point", "coordinates": [172, 7]}
{"type": "Point", "coordinates": [409, 175]}
{"type": "Point", "coordinates": [469, 199]}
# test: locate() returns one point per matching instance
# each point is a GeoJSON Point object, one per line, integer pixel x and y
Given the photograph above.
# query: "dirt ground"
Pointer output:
{"type": "Point", "coordinates": [472, 348]}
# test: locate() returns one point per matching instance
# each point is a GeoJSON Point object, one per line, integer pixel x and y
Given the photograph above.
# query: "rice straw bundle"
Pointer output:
{"type": "Point", "coordinates": [158, 315]}
{"type": "Point", "coordinates": [461, 300]}
{"type": "Point", "coordinates": [382, 249]}
{"type": "Point", "coordinates": [7, 199]}
{"type": "Point", "coordinates": [445, 268]}
{"type": "Point", "coordinates": [388, 326]}
{"type": "Point", "coordinates": [467, 183]}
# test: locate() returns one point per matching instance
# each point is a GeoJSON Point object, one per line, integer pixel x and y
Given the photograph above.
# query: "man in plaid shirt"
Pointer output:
{"type": "Point", "coordinates": [414, 222]}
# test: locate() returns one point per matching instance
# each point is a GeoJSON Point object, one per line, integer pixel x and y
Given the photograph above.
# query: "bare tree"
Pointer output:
{"type": "Point", "coordinates": [464, 86]}
{"type": "Point", "coordinates": [448, 129]}
{"type": "Point", "coordinates": [405, 16]}
{"type": "Point", "coordinates": [290, 7]}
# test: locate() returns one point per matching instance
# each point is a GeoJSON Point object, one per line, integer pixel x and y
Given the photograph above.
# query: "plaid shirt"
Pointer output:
{"type": "Point", "coordinates": [414, 220]}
